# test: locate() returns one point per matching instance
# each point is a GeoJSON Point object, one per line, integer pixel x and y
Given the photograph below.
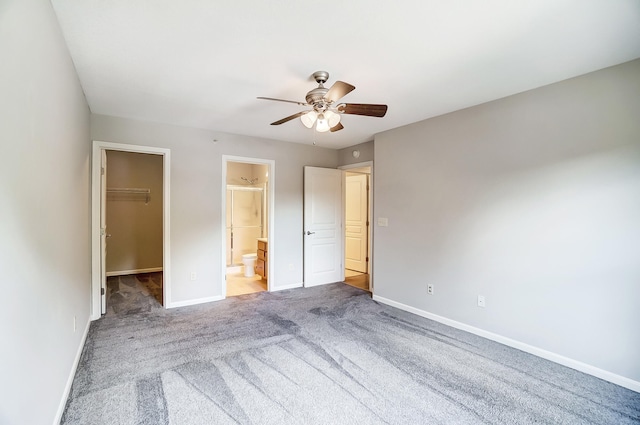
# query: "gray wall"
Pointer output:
{"type": "Point", "coordinates": [44, 210]}
{"type": "Point", "coordinates": [532, 201]}
{"type": "Point", "coordinates": [345, 156]}
{"type": "Point", "coordinates": [133, 220]}
{"type": "Point", "coordinates": [196, 193]}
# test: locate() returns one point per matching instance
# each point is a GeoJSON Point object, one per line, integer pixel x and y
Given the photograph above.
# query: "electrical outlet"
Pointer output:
{"type": "Point", "coordinates": [291, 267]}
{"type": "Point", "coordinates": [193, 276]}
{"type": "Point", "coordinates": [430, 289]}
{"type": "Point", "coordinates": [481, 302]}
{"type": "Point", "coordinates": [74, 323]}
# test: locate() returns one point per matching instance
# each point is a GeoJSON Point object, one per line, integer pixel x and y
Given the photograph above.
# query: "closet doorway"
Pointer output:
{"type": "Point", "coordinates": [133, 223]}
{"type": "Point", "coordinates": [130, 227]}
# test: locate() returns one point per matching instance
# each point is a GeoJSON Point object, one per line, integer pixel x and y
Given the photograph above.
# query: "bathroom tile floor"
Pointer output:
{"type": "Point", "coordinates": [237, 284]}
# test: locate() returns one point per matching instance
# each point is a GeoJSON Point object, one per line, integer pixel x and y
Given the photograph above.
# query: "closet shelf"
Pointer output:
{"type": "Point", "coordinates": [131, 191]}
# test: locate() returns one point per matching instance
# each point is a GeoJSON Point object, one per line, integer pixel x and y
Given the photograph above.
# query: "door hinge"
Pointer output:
{"type": "Point", "coordinates": [101, 291]}
{"type": "Point", "coordinates": [102, 171]}
{"type": "Point", "coordinates": [367, 259]}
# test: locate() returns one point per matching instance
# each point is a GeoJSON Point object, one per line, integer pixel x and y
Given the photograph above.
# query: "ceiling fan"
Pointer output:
{"type": "Point", "coordinates": [326, 112]}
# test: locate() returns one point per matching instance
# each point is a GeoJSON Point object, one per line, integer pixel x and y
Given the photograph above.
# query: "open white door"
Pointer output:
{"type": "Point", "coordinates": [323, 230]}
{"type": "Point", "coordinates": [356, 208]}
{"type": "Point", "coordinates": [103, 231]}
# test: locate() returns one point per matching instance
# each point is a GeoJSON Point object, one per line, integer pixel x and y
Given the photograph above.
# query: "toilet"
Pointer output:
{"type": "Point", "coordinates": [249, 261]}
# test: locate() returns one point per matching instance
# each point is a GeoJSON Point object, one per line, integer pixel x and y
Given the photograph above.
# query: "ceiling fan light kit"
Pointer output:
{"type": "Point", "coordinates": [322, 124]}
{"type": "Point", "coordinates": [309, 118]}
{"type": "Point", "coordinates": [332, 117]}
{"type": "Point", "coordinates": [326, 114]}
{"type": "Point", "coordinates": [324, 121]}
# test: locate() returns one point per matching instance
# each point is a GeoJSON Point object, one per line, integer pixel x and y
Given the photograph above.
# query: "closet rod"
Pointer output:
{"type": "Point", "coordinates": [133, 191]}
{"type": "Point", "coordinates": [127, 190]}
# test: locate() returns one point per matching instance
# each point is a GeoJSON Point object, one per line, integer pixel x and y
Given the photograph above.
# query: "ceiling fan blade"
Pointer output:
{"type": "Point", "coordinates": [367, 109]}
{"type": "Point", "coordinates": [336, 127]}
{"type": "Point", "coordinates": [289, 118]}
{"type": "Point", "coordinates": [282, 100]}
{"type": "Point", "coordinates": [338, 90]}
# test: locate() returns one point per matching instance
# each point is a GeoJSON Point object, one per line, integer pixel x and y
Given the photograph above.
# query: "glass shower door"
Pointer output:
{"type": "Point", "coordinates": [244, 222]}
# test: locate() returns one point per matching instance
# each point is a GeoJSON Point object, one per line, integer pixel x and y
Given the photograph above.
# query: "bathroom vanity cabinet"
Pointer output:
{"type": "Point", "coordinates": [261, 263]}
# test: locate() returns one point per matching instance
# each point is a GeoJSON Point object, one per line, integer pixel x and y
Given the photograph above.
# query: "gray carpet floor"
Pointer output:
{"type": "Point", "coordinates": [131, 294]}
{"type": "Point", "coordinates": [324, 355]}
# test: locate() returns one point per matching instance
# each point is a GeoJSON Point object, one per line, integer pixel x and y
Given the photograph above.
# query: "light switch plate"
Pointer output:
{"type": "Point", "coordinates": [383, 221]}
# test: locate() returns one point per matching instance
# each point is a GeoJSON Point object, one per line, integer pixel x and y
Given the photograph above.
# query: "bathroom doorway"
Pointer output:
{"type": "Point", "coordinates": [247, 204]}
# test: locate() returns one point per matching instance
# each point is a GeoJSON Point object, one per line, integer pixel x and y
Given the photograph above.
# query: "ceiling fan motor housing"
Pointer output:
{"type": "Point", "coordinates": [316, 97]}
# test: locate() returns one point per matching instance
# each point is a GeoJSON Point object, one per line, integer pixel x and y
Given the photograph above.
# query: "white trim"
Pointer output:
{"type": "Point", "coordinates": [548, 355]}
{"type": "Point", "coordinates": [137, 271]}
{"type": "Point", "coordinates": [72, 375]}
{"type": "Point", "coordinates": [357, 165]}
{"type": "Point", "coordinates": [234, 269]}
{"type": "Point", "coordinates": [99, 146]}
{"type": "Point", "coordinates": [283, 288]}
{"type": "Point", "coordinates": [195, 301]}
{"type": "Point", "coordinates": [313, 285]}
{"type": "Point", "coordinates": [271, 185]}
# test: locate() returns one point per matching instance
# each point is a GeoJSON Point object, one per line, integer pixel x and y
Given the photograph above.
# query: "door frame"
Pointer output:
{"type": "Point", "coordinates": [96, 245]}
{"type": "Point", "coordinates": [271, 186]}
{"type": "Point", "coordinates": [370, 229]}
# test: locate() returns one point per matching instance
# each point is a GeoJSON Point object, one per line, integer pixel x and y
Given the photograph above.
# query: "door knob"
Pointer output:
{"type": "Point", "coordinates": [310, 233]}
{"type": "Point", "coordinates": [108, 235]}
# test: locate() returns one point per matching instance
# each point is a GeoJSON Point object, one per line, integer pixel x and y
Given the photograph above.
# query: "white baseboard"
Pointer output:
{"type": "Point", "coordinates": [234, 269]}
{"type": "Point", "coordinates": [195, 301]}
{"type": "Point", "coordinates": [322, 284]}
{"type": "Point", "coordinates": [548, 355]}
{"type": "Point", "coordinates": [282, 288]}
{"type": "Point", "coordinates": [72, 374]}
{"type": "Point", "coordinates": [136, 271]}
{"type": "Point", "coordinates": [220, 297]}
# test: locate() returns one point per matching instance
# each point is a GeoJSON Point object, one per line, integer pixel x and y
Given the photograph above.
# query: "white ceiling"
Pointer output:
{"type": "Point", "coordinates": [201, 63]}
